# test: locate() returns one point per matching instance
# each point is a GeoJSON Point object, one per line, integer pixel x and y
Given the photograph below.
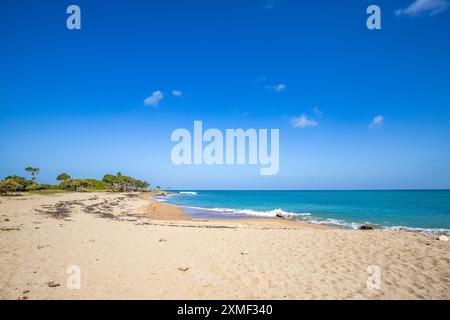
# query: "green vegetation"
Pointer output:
{"type": "Point", "coordinates": [97, 185]}
{"type": "Point", "coordinates": [8, 186]}
{"type": "Point", "coordinates": [39, 187]}
{"type": "Point", "coordinates": [123, 183]}
{"type": "Point", "coordinates": [33, 171]}
{"type": "Point", "coordinates": [23, 183]}
{"type": "Point", "coordinates": [113, 183]}
{"type": "Point", "coordinates": [62, 177]}
{"type": "Point", "coordinates": [75, 185]}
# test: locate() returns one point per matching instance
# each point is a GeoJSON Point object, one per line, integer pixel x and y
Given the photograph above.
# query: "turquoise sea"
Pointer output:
{"type": "Point", "coordinates": [427, 210]}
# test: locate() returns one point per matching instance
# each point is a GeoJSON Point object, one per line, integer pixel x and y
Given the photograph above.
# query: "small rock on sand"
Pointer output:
{"type": "Point", "coordinates": [53, 284]}
{"type": "Point", "coordinates": [442, 238]}
{"type": "Point", "coordinates": [26, 291]}
{"type": "Point", "coordinates": [6, 219]}
{"type": "Point", "coordinates": [9, 229]}
{"type": "Point", "coordinates": [183, 269]}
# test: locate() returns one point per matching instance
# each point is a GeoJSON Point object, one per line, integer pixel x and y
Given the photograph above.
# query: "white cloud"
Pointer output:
{"type": "Point", "coordinates": [154, 99]}
{"type": "Point", "coordinates": [377, 122]}
{"type": "Point", "coordinates": [280, 87]}
{"type": "Point", "coordinates": [303, 121]}
{"type": "Point", "coordinates": [177, 93]}
{"type": "Point", "coordinates": [419, 7]}
{"type": "Point", "coordinates": [262, 81]}
{"type": "Point", "coordinates": [317, 112]}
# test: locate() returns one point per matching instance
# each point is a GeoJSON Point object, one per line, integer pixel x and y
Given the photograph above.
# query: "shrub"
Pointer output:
{"type": "Point", "coordinates": [75, 185]}
{"type": "Point", "coordinates": [9, 186]}
{"type": "Point", "coordinates": [97, 184]}
{"type": "Point", "coordinates": [23, 183]}
{"type": "Point", "coordinates": [38, 187]}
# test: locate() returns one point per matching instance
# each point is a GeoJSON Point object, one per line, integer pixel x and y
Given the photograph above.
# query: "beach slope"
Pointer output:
{"type": "Point", "coordinates": [126, 246]}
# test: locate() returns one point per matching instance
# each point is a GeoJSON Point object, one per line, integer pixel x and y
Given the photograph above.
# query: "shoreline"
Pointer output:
{"type": "Point", "coordinates": [128, 246]}
{"type": "Point", "coordinates": [288, 220]}
{"type": "Point", "coordinates": [176, 212]}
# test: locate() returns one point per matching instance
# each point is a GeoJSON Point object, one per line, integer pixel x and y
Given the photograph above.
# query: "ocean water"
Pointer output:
{"type": "Point", "coordinates": [427, 210]}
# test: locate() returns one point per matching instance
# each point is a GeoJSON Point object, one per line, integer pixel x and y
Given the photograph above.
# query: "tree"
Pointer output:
{"type": "Point", "coordinates": [23, 183]}
{"type": "Point", "coordinates": [33, 171]}
{"type": "Point", "coordinates": [65, 184]}
{"type": "Point", "coordinates": [81, 185]}
{"type": "Point", "coordinates": [110, 180]}
{"type": "Point", "coordinates": [8, 186]}
{"type": "Point", "coordinates": [75, 185]}
{"type": "Point", "coordinates": [144, 185]}
{"type": "Point", "coordinates": [17, 179]}
{"type": "Point", "coordinates": [140, 185]}
{"type": "Point", "coordinates": [62, 177]}
{"type": "Point", "coordinates": [124, 183]}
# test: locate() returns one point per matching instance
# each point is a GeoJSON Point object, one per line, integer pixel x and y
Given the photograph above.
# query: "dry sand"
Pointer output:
{"type": "Point", "coordinates": [130, 247]}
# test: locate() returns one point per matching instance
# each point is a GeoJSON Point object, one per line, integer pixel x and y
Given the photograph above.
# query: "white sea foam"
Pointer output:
{"type": "Point", "coordinates": [306, 217]}
{"type": "Point", "coordinates": [336, 222]}
{"type": "Point", "coordinates": [256, 213]}
{"type": "Point", "coordinates": [357, 226]}
{"type": "Point", "coordinates": [421, 230]}
{"type": "Point", "coordinates": [188, 192]}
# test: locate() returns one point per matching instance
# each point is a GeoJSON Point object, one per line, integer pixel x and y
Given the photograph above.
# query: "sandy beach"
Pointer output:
{"type": "Point", "coordinates": [128, 246]}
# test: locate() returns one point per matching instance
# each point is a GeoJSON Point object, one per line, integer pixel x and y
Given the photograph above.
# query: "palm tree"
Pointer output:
{"type": "Point", "coordinates": [33, 171]}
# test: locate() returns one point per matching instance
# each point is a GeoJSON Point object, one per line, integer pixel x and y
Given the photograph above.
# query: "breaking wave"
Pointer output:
{"type": "Point", "coordinates": [256, 213]}
{"type": "Point", "coordinates": [306, 217]}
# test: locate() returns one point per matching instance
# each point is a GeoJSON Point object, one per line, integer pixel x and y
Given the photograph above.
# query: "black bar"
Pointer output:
{"type": "Point", "coordinates": [224, 309]}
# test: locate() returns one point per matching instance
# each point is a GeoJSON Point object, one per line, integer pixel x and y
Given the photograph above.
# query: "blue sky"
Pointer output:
{"type": "Point", "coordinates": [74, 101]}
